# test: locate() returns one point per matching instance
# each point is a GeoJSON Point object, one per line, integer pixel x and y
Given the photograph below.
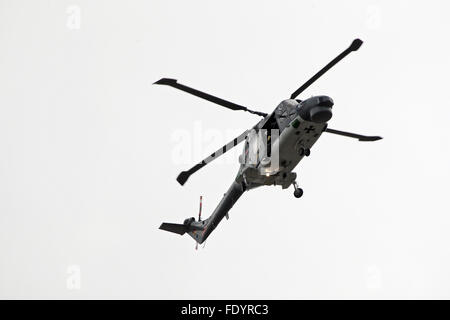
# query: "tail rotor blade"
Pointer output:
{"type": "Point", "coordinates": [199, 218]}
{"type": "Point", "coordinates": [200, 210]}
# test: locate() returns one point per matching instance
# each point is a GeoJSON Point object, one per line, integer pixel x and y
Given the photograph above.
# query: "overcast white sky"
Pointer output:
{"type": "Point", "coordinates": [89, 150]}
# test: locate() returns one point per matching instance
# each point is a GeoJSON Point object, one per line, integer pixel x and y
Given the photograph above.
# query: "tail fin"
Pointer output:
{"type": "Point", "coordinates": [200, 230]}
{"type": "Point", "coordinates": [194, 228]}
{"type": "Point", "coordinates": [198, 234]}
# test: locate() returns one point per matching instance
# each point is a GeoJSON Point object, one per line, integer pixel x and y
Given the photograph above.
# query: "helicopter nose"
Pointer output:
{"type": "Point", "coordinates": [320, 114]}
{"type": "Point", "coordinates": [316, 109]}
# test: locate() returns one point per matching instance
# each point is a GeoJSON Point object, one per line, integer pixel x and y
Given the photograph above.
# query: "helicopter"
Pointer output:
{"type": "Point", "coordinates": [272, 149]}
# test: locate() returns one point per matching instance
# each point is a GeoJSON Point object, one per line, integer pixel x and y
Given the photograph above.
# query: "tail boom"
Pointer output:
{"type": "Point", "coordinates": [200, 230]}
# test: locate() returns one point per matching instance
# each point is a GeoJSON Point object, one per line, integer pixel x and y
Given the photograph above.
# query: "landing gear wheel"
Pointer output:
{"type": "Point", "coordinates": [307, 152]}
{"type": "Point", "coordinates": [301, 151]}
{"type": "Point", "coordinates": [298, 192]}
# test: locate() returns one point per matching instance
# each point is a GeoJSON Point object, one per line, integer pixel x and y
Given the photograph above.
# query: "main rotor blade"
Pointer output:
{"type": "Point", "coordinates": [354, 135]}
{"type": "Point", "coordinates": [353, 47]}
{"type": "Point", "coordinates": [184, 175]}
{"type": "Point", "coordinates": [227, 104]}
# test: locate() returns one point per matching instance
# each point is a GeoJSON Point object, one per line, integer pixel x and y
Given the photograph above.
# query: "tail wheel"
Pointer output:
{"type": "Point", "coordinates": [298, 192]}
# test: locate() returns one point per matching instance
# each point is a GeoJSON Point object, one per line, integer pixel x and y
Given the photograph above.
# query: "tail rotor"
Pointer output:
{"type": "Point", "coordinates": [199, 218]}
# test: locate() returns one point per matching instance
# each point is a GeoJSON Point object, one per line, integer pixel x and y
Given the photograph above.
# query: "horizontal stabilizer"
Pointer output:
{"type": "Point", "coordinates": [174, 227]}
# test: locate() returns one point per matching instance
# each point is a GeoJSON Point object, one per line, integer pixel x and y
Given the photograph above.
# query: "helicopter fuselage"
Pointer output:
{"type": "Point", "coordinates": [272, 149]}
{"type": "Point", "coordinates": [275, 146]}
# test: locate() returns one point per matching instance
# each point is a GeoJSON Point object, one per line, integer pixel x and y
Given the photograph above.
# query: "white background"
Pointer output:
{"type": "Point", "coordinates": [89, 149]}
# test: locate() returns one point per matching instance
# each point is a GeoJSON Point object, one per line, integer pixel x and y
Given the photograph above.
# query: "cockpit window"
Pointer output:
{"type": "Point", "coordinates": [285, 113]}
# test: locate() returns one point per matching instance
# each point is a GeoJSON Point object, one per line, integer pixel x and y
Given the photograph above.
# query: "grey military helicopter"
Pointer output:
{"type": "Point", "coordinates": [273, 147]}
